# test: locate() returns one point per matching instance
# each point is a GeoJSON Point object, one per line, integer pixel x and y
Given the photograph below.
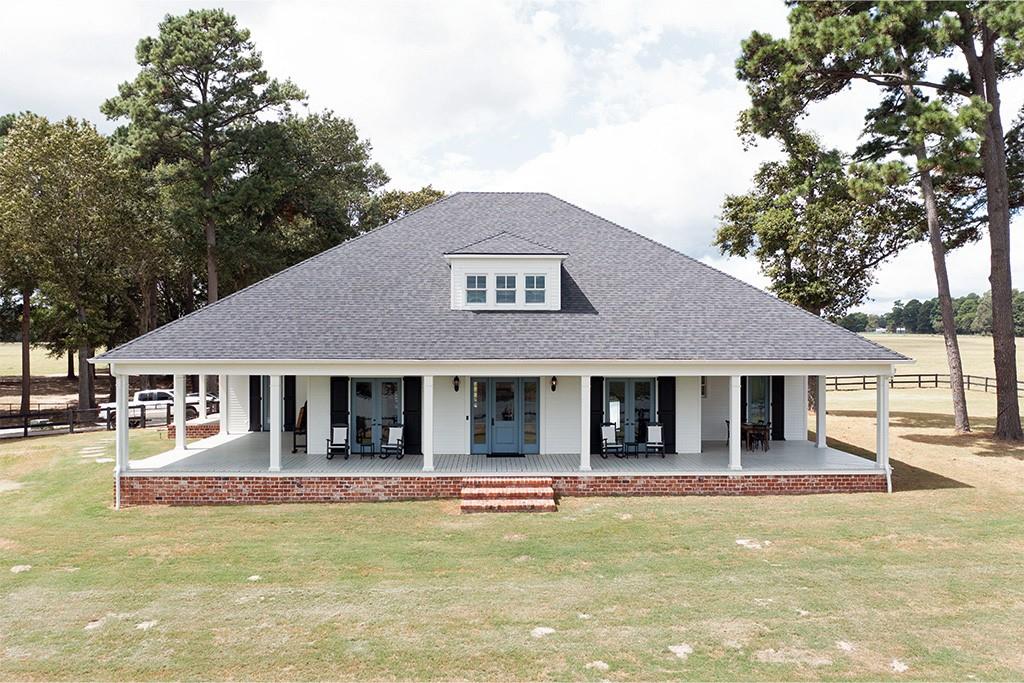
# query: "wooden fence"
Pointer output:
{"type": "Point", "coordinates": [59, 418]}
{"type": "Point", "coordinates": [918, 381]}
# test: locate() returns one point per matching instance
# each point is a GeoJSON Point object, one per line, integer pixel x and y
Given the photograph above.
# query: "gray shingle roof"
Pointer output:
{"type": "Point", "coordinates": [505, 242]}
{"type": "Point", "coordinates": [385, 295]}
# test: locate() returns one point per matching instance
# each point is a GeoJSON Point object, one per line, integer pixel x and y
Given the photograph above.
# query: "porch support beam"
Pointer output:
{"type": "Point", "coordinates": [222, 402]}
{"type": "Point", "coordinates": [427, 431]}
{"type": "Point", "coordinates": [585, 423]}
{"type": "Point", "coordinates": [180, 393]}
{"type": "Point", "coordinates": [819, 413]}
{"type": "Point", "coordinates": [882, 422]}
{"type": "Point", "coordinates": [734, 423]}
{"type": "Point", "coordinates": [202, 397]}
{"type": "Point", "coordinates": [276, 422]}
{"type": "Point", "coordinates": [121, 438]}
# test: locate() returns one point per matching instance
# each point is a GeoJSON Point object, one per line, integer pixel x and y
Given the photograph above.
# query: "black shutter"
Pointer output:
{"type": "Point", "coordinates": [667, 411]}
{"type": "Point", "coordinates": [743, 399]}
{"type": "Point", "coordinates": [596, 412]}
{"type": "Point", "coordinates": [255, 403]}
{"type": "Point", "coordinates": [289, 403]}
{"type": "Point", "coordinates": [778, 408]}
{"type": "Point", "coordinates": [412, 418]}
{"type": "Point", "coordinates": [339, 401]}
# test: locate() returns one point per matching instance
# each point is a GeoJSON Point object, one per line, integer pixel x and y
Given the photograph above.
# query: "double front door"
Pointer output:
{"type": "Point", "coordinates": [376, 406]}
{"type": "Point", "coordinates": [504, 415]}
{"type": "Point", "coordinates": [629, 405]}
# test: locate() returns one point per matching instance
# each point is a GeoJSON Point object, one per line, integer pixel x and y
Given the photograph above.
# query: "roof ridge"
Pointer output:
{"type": "Point", "coordinates": [731, 277]}
{"type": "Point", "coordinates": [279, 273]}
{"type": "Point", "coordinates": [506, 232]}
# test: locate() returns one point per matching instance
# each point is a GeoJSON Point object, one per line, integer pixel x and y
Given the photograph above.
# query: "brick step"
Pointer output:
{"type": "Point", "coordinates": [506, 482]}
{"type": "Point", "coordinates": [519, 492]}
{"type": "Point", "coordinates": [509, 505]}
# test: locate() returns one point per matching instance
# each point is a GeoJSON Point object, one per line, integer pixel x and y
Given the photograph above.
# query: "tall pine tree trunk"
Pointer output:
{"type": "Point", "coordinates": [961, 420]}
{"type": "Point", "coordinates": [26, 349]}
{"type": "Point", "coordinates": [71, 364]}
{"type": "Point", "coordinates": [984, 80]}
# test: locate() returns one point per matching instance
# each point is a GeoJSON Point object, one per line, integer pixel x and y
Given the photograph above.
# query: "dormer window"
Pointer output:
{"type": "Point", "coordinates": [505, 289]}
{"type": "Point", "coordinates": [534, 289]}
{"type": "Point", "coordinates": [520, 274]}
{"type": "Point", "coordinates": [476, 289]}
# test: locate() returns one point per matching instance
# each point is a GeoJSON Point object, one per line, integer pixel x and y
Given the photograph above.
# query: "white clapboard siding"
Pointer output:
{"type": "Point", "coordinates": [688, 415]}
{"type": "Point", "coordinates": [795, 419]}
{"type": "Point", "coordinates": [238, 404]}
{"type": "Point", "coordinates": [560, 415]}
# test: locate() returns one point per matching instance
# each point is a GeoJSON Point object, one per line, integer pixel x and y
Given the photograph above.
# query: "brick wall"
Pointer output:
{"type": "Point", "coordinates": [196, 430]}
{"type": "Point", "coordinates": [193, 490]}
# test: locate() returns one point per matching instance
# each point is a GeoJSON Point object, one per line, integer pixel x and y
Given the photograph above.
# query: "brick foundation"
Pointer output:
{"type": "Point", "coordinates": [196, 430]}
{"type": "Point", "coordinates": [251, 490]}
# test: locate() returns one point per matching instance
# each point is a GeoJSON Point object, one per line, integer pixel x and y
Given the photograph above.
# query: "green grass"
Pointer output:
{"type": "Point", "coordinates": [929, 352]}
{"type": "Point", "coordinates": [41, 362]}
{"type": "Point", "coordinates": [931, 577]}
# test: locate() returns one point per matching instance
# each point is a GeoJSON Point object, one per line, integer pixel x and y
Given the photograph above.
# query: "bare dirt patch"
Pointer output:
{"type": "Point", "coordinates": [8, 485]}
{"type": "Point", "coordinates": [792, 655]}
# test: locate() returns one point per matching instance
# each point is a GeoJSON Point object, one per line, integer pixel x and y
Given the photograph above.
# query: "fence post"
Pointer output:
{"type": "Point", "coordinates": [110, 418]}
{"type": "Point", "coordinates": [25, 425]}
{"type": "Point", "coordinates": [142, 419]}
{"type": "Point", "coordinates": [167, 417]}
{"type": "Point", "coordinates": [71, 420]}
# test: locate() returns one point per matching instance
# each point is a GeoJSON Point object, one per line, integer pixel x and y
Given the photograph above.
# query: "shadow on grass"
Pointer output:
{"type": "Point", "coordinates": [979, 442]}
{"type": "Point", "coordinates": [905, 477]}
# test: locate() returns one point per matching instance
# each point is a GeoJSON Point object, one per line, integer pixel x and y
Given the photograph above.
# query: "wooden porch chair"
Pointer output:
{"type": "Point", "coordinates": [609, 444]}
{"type": "Point", "coordinates": [655, 441]}
{"type": "Point", "coordinates": [395, 444]}
{"type": "Point", "coordinates": [337, 444]}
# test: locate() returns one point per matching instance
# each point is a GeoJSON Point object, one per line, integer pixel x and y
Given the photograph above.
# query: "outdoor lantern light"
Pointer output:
{"type": "Point", "coordinates": [455, 383]}
{"type": "Point", "coordinates": [554, 383]}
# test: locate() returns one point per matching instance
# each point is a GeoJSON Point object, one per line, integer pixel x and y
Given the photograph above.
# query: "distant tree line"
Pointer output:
{"type": "Point", "coordinates": [972, 313]}
{"type": "Point", "coordinates": [216, 177]}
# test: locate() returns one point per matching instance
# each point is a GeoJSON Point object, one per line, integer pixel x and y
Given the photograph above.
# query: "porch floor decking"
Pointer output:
{"type": "Point", "coordinates": [248, 454]}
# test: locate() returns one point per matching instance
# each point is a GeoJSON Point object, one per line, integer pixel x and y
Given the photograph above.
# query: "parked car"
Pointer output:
{"type": "Point", "coordinates": [156, 402]}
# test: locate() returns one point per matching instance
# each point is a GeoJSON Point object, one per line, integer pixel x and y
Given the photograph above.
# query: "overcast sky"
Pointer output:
{"type": "Point", "coordinates": [625, 108]}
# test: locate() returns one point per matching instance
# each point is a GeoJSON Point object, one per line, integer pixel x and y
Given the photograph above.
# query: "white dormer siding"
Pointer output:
{"type": "Point", "coordinates": [490, 267]}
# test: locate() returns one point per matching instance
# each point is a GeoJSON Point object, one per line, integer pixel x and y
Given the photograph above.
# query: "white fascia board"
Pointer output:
{"type": "Point", "coordinates": [502, 367]}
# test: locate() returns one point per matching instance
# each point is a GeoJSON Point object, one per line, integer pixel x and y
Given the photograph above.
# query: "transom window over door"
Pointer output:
{"type": "Point", "coordinates": [505, 289]}
{"type": "Point", "coordinates": [476, 289]}
{"type": "Point", "coordinates": [534, 289]}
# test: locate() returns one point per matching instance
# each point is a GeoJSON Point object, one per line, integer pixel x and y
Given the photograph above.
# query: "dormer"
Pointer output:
{"type": "Point", "coordinates": [506, 272]}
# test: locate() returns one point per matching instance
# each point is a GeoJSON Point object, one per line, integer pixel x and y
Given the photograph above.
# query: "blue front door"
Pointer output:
{"type": "Point", "coordinates": [505, 415]}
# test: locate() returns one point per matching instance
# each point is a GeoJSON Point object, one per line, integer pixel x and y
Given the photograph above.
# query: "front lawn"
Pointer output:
{"type": "Point", "coordinates": [925, 584]}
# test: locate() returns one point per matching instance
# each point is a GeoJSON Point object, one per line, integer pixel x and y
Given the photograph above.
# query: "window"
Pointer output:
{"type": "Point", "coordinates": [534, 289]}
{"type": "Point", "coordinates": [476, 289]}
{"type": "Point", "coordinates": [505, 289]}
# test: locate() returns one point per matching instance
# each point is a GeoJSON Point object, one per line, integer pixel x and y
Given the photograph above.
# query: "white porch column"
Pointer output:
{"type": "Point", "coordinates": [734, 423]}
{"type": "Point", "coordinates": [121, 418]}
{"type": "Point", "coordinates": [819, 413]}
{"type": "Point", "coordinates": [179, 412]}
{"type": "Point", "coordinates": [276, 422]}
{"type": "Point", "coordinates": [222, 402]}
{"type": "Point", "coordinates": [427, 431]}
{"type": "Point", "coordinates": [202, 397]}
{"type": "Point", "coordinates": [585, 423]}
{"type": "Point", "coordinates": [882, 422]}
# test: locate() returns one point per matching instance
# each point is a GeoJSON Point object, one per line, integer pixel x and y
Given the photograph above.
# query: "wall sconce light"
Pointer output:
{"type": "Point", "coordinates": [455, 384]}
{"type": "Point", "coordinates": [554, 383]}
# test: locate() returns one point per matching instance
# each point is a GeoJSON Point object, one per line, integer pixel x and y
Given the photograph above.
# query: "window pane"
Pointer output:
{"type": "Point", "coordinates": [476, 296]}
{"type": "Point", "coordinates": [506, 296]}
{"type": "Point", "coordinates": [535, 296]}
{"type": "Point", "coordinates": [529, 282]}
{"type": "Point", "coordinates": [540, 282]}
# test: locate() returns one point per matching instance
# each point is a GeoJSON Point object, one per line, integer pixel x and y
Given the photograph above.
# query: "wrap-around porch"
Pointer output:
{"type": "Point", "coordinates": [246, 454]}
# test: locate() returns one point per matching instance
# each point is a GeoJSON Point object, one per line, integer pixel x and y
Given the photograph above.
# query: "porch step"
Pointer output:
{"type": "Point", "coordinates": [508, 494]}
